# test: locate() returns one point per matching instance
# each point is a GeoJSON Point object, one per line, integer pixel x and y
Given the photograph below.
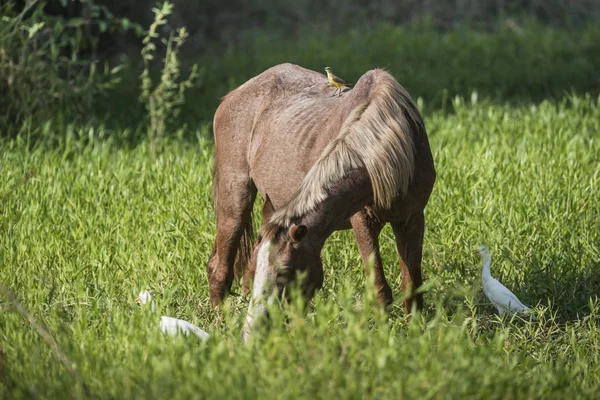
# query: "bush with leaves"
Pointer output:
{"type": "Point", "coordinates": [163, 100]}
{"type": "Point", "coordinates": [42, 71]}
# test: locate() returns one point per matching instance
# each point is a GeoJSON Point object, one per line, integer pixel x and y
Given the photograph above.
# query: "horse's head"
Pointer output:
{"type": "Point", "coordinates": [284, 257]}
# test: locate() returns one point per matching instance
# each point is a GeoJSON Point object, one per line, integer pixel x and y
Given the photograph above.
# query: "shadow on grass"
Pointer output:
{"type": "Point", "coordinates": [568, 290]}
{"type": "Point", "coordinates": [565, 292]}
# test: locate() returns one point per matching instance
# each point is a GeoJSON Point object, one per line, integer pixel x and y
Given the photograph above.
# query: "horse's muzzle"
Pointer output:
{"type": "Point", "coordinates": [253, 318]}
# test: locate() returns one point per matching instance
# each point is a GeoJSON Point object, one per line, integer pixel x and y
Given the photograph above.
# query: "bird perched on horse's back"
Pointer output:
{"type": "Point", "coordinates": [335, 81]}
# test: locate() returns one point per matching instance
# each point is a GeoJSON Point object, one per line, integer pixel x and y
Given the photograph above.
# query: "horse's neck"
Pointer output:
{"type": "Point", "coordinates": [344, 199]}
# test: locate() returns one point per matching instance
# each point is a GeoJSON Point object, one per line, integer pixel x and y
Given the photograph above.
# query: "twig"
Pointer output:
{"type": "Point", "coordinates": [43, 332]}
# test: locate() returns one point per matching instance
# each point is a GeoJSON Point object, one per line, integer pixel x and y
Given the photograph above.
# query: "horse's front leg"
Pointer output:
{"type": "Point", "coordinates": [366, 231]}
{"type": "Point", "coordinates": [233, 208]}
{"type": "Point", "coordinates": [409, 244]}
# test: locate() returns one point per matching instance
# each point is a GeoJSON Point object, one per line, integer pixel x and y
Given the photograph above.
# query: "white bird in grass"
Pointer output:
{"type": "Point", "coordinates": [172, 326]}
{"type": "Point", "coordinates": [503, 299]}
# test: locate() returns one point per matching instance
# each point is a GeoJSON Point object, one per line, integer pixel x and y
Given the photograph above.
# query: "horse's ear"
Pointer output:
{"type": "Point", "coordinates": [297, 232]}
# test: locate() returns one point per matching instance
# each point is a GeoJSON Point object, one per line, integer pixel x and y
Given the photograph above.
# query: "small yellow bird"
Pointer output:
{"type": "Point", "coordinates": [337, 82]}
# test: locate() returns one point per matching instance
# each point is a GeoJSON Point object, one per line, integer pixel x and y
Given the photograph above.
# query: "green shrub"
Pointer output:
{"type": "Point", "coordinates": [42, 72]}
{"type": "Point", "coordinates": [162, 100]}
{"type": "Point", "coordinates": [516, 63]}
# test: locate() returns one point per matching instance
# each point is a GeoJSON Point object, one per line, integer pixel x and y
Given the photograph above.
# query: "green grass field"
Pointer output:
{"type": "Point", "coordinates": [87, 223]}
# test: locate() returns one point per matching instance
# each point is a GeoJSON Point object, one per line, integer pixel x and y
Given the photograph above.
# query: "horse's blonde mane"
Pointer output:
{"type": "Point", "coordinates": [377, 136]}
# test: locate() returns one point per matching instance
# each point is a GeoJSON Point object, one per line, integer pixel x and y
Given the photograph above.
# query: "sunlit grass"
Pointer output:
{"type": "Point", "coordinates": [86, 224]}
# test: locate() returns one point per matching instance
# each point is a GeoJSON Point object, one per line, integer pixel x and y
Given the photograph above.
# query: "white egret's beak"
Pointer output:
{"type": "Point", "coordinates": [478, 250]}
{"type": "Point", "coordinates": [137, 301]}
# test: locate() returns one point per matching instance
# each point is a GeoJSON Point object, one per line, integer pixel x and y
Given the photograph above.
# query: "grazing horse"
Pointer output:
{"type": "Point", "coordinates": [321, 164]}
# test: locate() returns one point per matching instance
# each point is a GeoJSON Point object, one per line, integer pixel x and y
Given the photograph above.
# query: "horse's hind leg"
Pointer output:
{"type": "Point", "coordinates": [366, 231]}
{"type": "Point", "coordinates": [409, 244]}
{"type": "Point", "coordinates": [233, 209]}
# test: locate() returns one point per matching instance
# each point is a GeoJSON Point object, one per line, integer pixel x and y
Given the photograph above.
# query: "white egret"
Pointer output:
{"type": "Point", "coordinates": [503, 299]}
{"type": "Point", "coordinates": [172, 326]}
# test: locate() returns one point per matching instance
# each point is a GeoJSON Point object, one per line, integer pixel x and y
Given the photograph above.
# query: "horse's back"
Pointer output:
{"type": "Point", "coordinates": [291, 129]}
{"type": "Point", "coordinates": [275, 126]}
{"type": "Point", "coordinates": [240, 110]}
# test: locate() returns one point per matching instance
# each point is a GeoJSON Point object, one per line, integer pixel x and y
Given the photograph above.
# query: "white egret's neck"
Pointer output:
{"type": "Point", "coordinates": [145, 298]}
{"type": "Point", "coordinates": [487, 261]}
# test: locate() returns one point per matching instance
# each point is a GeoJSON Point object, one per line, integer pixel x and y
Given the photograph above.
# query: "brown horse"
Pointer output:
{"type": "Point", "coordinates": [321, 164]}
